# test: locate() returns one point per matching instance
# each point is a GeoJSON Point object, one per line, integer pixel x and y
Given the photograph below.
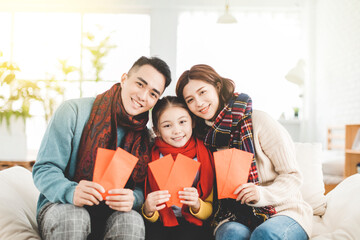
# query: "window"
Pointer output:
{"type": "Point", "coordinates": [42, 43]}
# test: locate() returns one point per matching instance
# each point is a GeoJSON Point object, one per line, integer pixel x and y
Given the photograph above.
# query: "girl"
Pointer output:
{"type": "Point", "coordinates": [173, 127]}
{"type": "Point", "coordinates": [225, 120]}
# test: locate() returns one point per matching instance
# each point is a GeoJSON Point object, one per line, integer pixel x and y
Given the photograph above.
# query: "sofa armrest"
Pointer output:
{"type": "Point", "coordinates": [18, 200]}
{"type": "Point", "coordinates": [342, 215]}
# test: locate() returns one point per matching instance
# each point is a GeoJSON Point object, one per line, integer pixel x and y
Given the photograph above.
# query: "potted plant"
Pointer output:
{"type": "Point", "coordinates": [296, 112]}
{"type": "Point", "coordinates": [16, 97]}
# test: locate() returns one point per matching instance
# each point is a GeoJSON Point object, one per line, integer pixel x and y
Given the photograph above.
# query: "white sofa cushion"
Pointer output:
{"type": "Point", "coordinates": [342, 217]}
{"type": "Point", "coordinates": [308, 156]}
{"type": "Point", "coordinates": [18, 204]}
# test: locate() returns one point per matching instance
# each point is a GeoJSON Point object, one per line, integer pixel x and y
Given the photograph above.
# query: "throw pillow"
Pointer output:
{"type": "Point", "coordinates": [18, 200]}
{"type": "Point", "coordinates": [308, 156]}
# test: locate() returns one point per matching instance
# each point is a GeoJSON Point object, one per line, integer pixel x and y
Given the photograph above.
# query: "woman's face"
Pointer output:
{"type": "Point", "coordinates": [201, 98]}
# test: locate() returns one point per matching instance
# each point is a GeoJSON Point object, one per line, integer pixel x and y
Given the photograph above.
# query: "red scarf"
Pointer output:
{"type": "Point", "coordinates": [193, 148]}
{"type": "Point", "coordinates": [106, 116]}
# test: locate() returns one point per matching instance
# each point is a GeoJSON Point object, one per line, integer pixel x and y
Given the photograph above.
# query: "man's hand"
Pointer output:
{"type": "Point", "coordinates": [121, 199]}
{"type": "Point", "coordinates": [87, 193]}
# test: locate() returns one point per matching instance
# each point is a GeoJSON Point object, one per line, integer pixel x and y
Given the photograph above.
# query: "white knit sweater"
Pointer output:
{"type": "Point", "coordinates": [279, 174]}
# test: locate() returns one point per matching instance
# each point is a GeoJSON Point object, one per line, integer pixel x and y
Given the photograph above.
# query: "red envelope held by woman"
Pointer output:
{"type": "Point", "coordinates": [232, 168]}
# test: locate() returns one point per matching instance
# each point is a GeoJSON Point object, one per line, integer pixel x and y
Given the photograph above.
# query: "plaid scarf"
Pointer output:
{"type": "Point", "coordinates": [106, 116]}
{"type": "Point", "coordinates": [233, 128]}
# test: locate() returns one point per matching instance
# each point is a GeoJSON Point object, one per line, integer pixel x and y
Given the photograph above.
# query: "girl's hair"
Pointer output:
{"type": "Point", "coordinates": [163, 104]}
{"type": "Point", "coordinates": [224, 86]}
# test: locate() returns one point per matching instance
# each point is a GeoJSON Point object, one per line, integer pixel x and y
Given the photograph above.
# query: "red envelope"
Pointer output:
{"type": "Point", "coordinates": [182, 175]}
{"type": "Point", "coordinates": [174, 176]}
{"type": "Point", "coordinates": [161, 169]}
{"type": "Point", "coordinates": [222, 160]}
{"type": "Point", "coordinates": [232, 168]}
{"type": "Point", "coordinates": [113, 168]}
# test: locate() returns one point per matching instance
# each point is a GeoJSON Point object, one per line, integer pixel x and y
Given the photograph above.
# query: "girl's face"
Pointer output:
{"type": "Point", "coordinates": [175, 126]}
{"type": "Point", "coordinates": [201, 98]}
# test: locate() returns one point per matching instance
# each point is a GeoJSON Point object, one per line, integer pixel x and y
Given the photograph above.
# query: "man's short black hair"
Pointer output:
{"type": "Point", "coordinates": [158, 64]}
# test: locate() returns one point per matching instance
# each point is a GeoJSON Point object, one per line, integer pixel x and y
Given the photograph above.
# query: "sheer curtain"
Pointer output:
{"type": "Point", "coordinates": [256, 53]}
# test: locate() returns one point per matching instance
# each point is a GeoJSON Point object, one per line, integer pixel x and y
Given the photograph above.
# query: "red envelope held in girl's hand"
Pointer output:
{"type": "Point", "coordinates": [113, 168]}
{"type": "Point", "coordinates": [232, 168]}
{"type": "Point", "coordinates": [174, 176]}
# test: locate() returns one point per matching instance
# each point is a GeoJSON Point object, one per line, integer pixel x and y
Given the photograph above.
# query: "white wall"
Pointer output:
{"type": "Point", "coordinates": [337, 64]}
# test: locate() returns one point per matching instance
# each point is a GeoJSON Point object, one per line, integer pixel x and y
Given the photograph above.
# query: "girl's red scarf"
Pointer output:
{"type": "Point", "coordinates": [106, 116]}
{"type": "Point", "coordinates": [193, 148]}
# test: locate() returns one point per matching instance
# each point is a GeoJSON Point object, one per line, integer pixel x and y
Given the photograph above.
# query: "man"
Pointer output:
{"type": "Point", "coordinates": [70, 205]}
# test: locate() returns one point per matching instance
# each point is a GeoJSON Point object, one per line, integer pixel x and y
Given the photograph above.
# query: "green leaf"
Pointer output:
{"type": "Point", "coordinates": [9, 78]}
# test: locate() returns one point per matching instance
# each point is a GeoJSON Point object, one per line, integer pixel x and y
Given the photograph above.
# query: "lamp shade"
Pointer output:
{"type": "Point", "coordinates": [297, 74]}
{"type": "Point", "coordinates": [226, 17]}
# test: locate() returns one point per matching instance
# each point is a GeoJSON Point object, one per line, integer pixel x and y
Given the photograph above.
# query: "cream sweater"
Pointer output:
{"type": "Point", "coordinates": [279, 174]}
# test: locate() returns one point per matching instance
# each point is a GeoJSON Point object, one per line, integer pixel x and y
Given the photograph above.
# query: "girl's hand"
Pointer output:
{"type": "Point", "coordinates": [191, 198]}
{"type": "Point", "coordinates": [247, 193]}
{"type": "Point", "coordinates": [155, 201]}
{"type": "Point", "coordinates": [122, 200]}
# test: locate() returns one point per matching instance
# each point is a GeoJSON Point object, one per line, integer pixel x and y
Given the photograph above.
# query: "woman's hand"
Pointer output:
{"type": "Point", "coordinates": [247, 193]}
{"type": "Point", "coordinates": [191, 198]}
{"type": "Point", "coordinates": [87, 193]}
{"type": "Point", "coordinates": [120, 199]}
{"type": "Point", "coordinates": [155, 201]}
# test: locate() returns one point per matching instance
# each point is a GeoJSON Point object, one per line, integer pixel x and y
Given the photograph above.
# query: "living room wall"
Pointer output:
{"type": "Point", "coordinates": [333, 85]}
{"type": "Point", "coordinates": [337, 64]}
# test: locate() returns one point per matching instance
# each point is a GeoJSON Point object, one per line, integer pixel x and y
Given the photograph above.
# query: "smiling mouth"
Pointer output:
{"type": "Point", "coordinates": [205, 109]}
{"type": "Point", "coordinates": [178, 138]}
{"type": "Point", "coordinates": [136, 103]}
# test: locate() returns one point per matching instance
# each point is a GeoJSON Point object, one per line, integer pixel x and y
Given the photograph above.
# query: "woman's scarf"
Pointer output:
{"type": "Point", "coordinates": [233, 128]}
{"type": "Point", "coordinates": [106, 116]}
{"type": "Point", "coordinates": [193, 148]}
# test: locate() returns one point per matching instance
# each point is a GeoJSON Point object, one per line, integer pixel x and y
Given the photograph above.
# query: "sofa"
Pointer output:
{"type": "Point", "coordinates": [336, 215]}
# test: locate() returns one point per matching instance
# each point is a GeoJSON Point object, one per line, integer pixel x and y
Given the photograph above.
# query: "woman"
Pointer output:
{"type": "Point", "coordinates": [270, 205]}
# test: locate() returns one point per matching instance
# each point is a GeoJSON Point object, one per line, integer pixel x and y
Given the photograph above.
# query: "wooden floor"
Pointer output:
{"type": "Point", "coordinates": [26, 164]}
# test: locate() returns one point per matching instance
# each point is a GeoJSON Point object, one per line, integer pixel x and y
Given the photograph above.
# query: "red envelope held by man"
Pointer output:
{"type": "Point", "coordinates": [113, 168]}
{"type": "Point", "coordinates": [174, 176]}
{"type": "Point", "coordinates": [232, 168]}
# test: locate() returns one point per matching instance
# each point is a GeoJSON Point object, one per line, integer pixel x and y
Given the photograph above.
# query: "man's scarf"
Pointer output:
{"type": "Point", "coordinates": [233, 128]}
{"type": "Point", "coordinates": [193, 148]}
{"type": "Point", "coordinates": [106, 116]}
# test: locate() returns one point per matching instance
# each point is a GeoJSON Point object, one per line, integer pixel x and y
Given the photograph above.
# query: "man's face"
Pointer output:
{"type": "Point", "coordinates": [141, 89]}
